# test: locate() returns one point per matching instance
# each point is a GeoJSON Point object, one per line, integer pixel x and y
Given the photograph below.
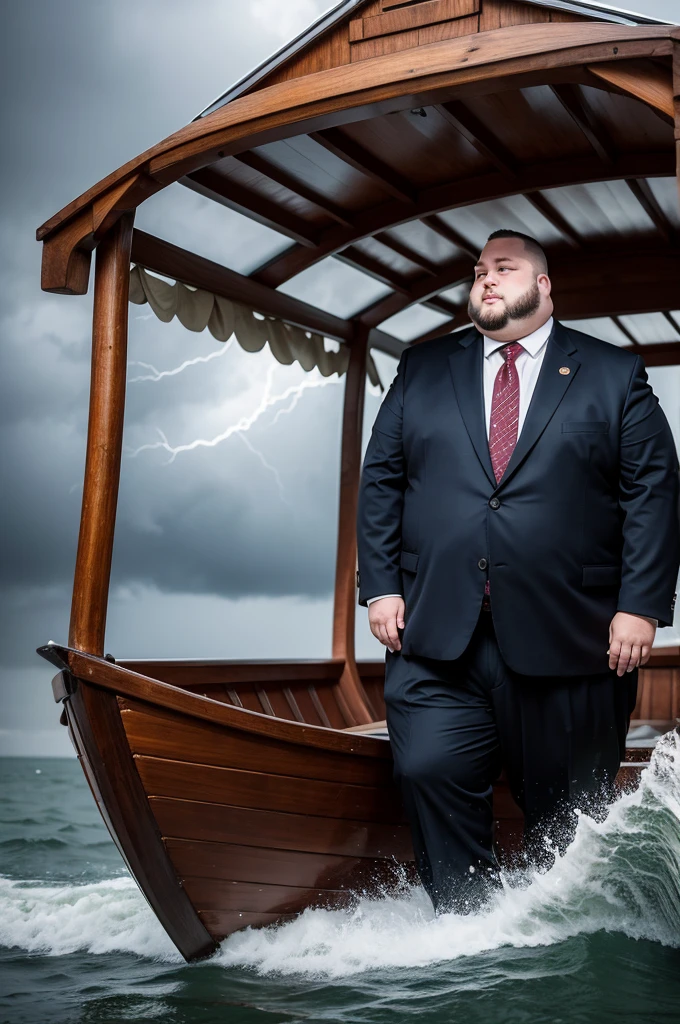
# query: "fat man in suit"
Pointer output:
{"type": "Point", "coordinates": [518, 544]}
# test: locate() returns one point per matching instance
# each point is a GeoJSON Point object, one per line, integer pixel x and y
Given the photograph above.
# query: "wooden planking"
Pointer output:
{"type": "Point", "coordinates": [401, 19]}
{"type": "Point", "coordinates": [165, 734]}
{"type": "Point", "coordinates": [331, 51]}
{"type": "Point", "coordinates": [382, 45]}
{"type": "Point", "coordinates": [95, 725]}
{"type": "Point", "coordinates": [506, 13]}
{"type": "Point", "coordinates": [218, 894]}
{"type": "Point", "coordinates": [236, 862]}
{"type": "Point", "coordinates": [221, 923]}
{"type": "Point", "coordinates": [191, 819]}
{"type": "Point", "coordinates": [658, 694]}
{"type": "Point", "coordinates": [240, 788]}
{"type": "Point", "coordinates": [188, 673]}
{"type": "Point", "coordinates": [448, 30]}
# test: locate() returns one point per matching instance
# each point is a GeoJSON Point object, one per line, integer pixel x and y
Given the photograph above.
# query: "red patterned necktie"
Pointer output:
{"type": "Point", "coordinates": [504, 416]}
{"type": "Point", "coordinates": [504, 410]}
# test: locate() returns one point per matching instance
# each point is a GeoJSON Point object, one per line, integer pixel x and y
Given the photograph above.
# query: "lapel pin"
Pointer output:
{"type": "Point", "coordinates": [565, 370]}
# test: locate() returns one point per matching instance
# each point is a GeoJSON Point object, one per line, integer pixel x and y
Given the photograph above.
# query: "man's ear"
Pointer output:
{"type": "Point", "coordinates": [544, 283]}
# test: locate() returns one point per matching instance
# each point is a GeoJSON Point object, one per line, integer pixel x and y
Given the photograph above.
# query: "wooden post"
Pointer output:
{"type": "Point", "coordinates": [104, 439]}
{"type": "Point", "coordinates": [345, 566]}
{"type": "Point", "coordinates": [675, 34]}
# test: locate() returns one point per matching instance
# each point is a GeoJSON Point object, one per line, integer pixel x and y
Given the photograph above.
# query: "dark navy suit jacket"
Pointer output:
{"type": "Point", "coordinates": [584, 522]}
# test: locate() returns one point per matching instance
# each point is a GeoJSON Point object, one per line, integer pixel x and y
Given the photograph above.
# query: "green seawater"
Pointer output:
{"type": "Point", "coordinates": [595, 939]}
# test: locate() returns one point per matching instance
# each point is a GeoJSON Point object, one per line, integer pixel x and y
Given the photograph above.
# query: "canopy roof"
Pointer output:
{"type": "Point", "coordinates": [393, 136]}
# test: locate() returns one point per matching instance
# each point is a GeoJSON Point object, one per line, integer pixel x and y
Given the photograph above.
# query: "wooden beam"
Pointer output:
{"type": "Point", "coordinates": [104, 439]}
{"type": "Point", "coordinates": [575, 105]}
{"type": "Point", "coordinates": [354, 257]}
{"type": "Point", "coordinates": [229, 193]}
{"type": "Point", "coordinates": [479, 136]}
{"type": "Point", "coordinates": [624, 330]}
{"type": "Point", "coordinates": [449, 275]}
{"type": "Point", "coordinates": [407, 252]}
{"type": "Point", "coordinates": [674, 326]}
{"type": "Point", "coordinates": [554, 217]}
{"type": "Point", "coordinates": [344, 603]}
{"type": "Point", "coordinates": [376, 86]}
{"type": "Point", "coordinates": [270, 170]}
{"type": "Point", "coordinates": [648, 201]}
{"type": "Point", "coordinates": [444, 229]}
{"type": "Point", "coordinates": [451, 196]}
{"type": "Point", "coordinates": [650, 83]}
{"type": "Point", "coordinates": [181, 265]}
{"type": "Point", "coordinates": [660, 355]}
{"type": "Point", "coordinates": [350, 152]}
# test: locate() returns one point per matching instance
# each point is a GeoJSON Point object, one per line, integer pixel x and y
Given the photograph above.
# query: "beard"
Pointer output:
{"type": "Point", "coordinates": [522, 308]}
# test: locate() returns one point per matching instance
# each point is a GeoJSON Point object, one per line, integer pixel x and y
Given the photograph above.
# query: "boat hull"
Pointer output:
{"type": "Point", "coordinates": [227, 817]}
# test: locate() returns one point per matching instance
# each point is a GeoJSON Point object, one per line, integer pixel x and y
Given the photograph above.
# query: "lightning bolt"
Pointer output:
{"type": "Point", "coordinates": [156, 375]}
{"type": "Point", "coordinates": [244, 424]}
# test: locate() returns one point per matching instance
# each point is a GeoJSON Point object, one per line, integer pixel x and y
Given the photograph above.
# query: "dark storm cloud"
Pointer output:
{"type": "Point", "coordinates": [86, 87]}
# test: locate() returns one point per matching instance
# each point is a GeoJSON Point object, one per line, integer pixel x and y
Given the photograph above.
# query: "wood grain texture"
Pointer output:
{"type": "Point", "coordinates": [102, 748]}
{"type": "Point", "coordinates": [442, 63]}
{"type": "Point", "coordinates": [191, 819]}
{"type": "Point", "coordinates": [247, 788]}
{"type": "Point", "coordinates": [104, 439]}
{"type": "Point", "coordinates": [172, 736]}
{"type": "Point", "coordinates": [235, 862]}
{"type": "Point", "coordinates": [344, 604]}
{"type": "Point", "coordinates": [223, 896]}
{"type": "Point", "coordinates": [163, 696]}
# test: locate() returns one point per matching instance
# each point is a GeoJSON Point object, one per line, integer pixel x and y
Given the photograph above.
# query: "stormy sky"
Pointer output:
{"type": "Point", "coordinates": [226, 550]}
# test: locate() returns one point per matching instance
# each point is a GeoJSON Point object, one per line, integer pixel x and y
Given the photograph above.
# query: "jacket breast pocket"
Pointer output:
{"type": "Point", "coordinates": [585, 426]}
{"type": "Point", "coordinates": [409, 560]}
{"type": "Point", "coordinates": [601, 575]}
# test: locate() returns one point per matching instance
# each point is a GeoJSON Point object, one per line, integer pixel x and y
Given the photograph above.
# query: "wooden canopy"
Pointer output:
{"type": "Point", "coordinates": [393, 136]}
{"type": "Point", "coordinates": [396, 135]}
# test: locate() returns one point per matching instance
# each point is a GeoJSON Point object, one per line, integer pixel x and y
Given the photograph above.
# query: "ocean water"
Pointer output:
{"type": "Point", "coordinates": [594, 939]}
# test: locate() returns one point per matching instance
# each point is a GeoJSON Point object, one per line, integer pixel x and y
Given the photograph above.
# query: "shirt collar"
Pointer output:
{"type": "Point", "coordinates": [533, 343]}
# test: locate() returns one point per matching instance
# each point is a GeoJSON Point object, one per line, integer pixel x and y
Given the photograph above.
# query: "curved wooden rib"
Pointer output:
{"type": "Point", "coordinates": [333, 97]}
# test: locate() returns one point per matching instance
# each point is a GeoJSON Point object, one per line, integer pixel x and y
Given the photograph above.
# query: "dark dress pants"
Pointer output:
{"type": "Point", "coordinates": [454, 724]}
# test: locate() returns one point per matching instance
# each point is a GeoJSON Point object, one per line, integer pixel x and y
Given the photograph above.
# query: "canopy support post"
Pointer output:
{"type": "Point", "coordinates": [104, 439]}
{"type": "Point", "coordinates": [345, 566]}
{"type": "Point", "coordinates": [676, 102]}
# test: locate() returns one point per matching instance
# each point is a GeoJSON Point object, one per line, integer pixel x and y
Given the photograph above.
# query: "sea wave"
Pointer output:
{"type": "Point", "coordinates": [619, 875]}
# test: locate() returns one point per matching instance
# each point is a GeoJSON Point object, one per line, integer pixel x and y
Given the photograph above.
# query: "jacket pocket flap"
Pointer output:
{"type": "Point", "coordinates": [574, 426]}
{"type": "Point", "coordinates": [409, 560]}
{"type": "Point", "coordinates": [601, 575]}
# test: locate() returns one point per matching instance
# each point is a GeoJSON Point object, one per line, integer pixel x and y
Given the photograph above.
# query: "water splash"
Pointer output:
{"type": "Point", "coordinates": [620, 875]}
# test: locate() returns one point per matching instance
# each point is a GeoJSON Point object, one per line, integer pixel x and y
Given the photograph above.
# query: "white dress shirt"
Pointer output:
{"type": "Point", "coordinates": [528, 365]}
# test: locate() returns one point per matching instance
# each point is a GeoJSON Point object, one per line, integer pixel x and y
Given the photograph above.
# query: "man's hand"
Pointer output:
{"type": "Point", "coordinates": [630, 641]}
{"type": "Point", "coordinates": [383, 617]}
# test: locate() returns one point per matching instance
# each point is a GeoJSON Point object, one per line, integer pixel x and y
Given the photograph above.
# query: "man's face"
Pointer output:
{"type": "Point", "coordinates": [507, 286]}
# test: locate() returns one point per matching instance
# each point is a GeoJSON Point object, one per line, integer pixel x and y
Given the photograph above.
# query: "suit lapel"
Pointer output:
{"type": "Point", "coordinates": [550, 389]}
{"type": "Point", "coordinates": [468, 382]}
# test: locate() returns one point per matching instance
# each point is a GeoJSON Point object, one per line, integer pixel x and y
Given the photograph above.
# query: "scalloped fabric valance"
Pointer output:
{"type": "Point", "coordinates": [197, 309]}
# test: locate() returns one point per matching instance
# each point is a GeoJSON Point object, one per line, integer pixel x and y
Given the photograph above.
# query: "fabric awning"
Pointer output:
{"type": "Point", "coordinates": [197, 309]}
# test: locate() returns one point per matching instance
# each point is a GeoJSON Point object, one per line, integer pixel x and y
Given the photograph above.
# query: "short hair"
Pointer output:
{"type": "Point", "coordinates": [534, 248]}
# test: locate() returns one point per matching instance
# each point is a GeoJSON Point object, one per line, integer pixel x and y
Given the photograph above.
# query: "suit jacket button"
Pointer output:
{"type": "Point", "coordinates": [482, 563]}
{"type": "Point", "coordinates": [495, 503]}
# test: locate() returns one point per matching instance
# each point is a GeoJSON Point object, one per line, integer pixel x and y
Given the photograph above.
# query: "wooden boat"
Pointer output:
{"type": "Point", "coordinates": [240, 793]}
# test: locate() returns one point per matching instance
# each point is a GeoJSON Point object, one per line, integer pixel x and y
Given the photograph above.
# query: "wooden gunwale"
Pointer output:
{"type": "Point", "coordinates": [360, 87]}
{"type": "Point", "coordinates": [106, 675]}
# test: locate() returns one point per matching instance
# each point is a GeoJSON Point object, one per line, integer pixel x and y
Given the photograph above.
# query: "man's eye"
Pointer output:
{"type": "Point", "coordinates": [480, 274]}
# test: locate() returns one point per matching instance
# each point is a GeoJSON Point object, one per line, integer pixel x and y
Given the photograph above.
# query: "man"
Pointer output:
{"type": "Point", "coordinates": [518, 543]}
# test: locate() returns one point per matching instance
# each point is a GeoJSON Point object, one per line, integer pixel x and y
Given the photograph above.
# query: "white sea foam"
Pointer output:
{"type": "Point", "coordinates": [103, 917]}
{"type": "Point", "coordinates": [620, 875]}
